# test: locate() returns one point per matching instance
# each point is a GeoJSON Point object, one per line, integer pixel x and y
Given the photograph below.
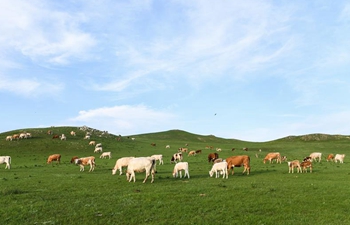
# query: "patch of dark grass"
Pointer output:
{"type": "Point", "coordinates": [13, 192]}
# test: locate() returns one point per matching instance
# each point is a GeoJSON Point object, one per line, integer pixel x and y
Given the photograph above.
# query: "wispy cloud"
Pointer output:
{"type": "Point", "coordinates": [28, 88]}
{"type": "Point", "coordinates": [125, 119]}
{"type": "Point", "coordinates": [45, 35]}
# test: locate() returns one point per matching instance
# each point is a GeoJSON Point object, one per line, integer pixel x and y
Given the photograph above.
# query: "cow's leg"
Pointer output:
{"type": "Point", "coordinates": [147, 175]}
{"type": "Point", "coordinates": [152, 175]}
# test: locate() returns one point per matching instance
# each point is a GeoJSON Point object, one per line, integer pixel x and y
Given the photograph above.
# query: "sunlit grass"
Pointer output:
{"type": "Point", "coordinates": [33, 192]}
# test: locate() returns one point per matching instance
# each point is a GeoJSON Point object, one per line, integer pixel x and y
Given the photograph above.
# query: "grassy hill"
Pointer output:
{"type": "Point", "coordinates": [34, 192]}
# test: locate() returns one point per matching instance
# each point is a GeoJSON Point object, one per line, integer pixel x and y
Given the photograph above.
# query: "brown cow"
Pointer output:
{"type": "Point", "coordinates": [237, 161]}
{"type": "Point", "coordinates": [55, 136]}
{"type": "Point", "coordinates": [73, 159]}
{"type": "Point", "coordinates": [15, 136]}
{"type": "Point", "coordinates": [273, 155]}
{"type": "Point", "coordinates": [54, 157]}
{"type": "Point", "coordinates": [212, 156]}
{"type": "Point", "coordinates": [330, 157]}
{"type": "Point", "coordinates": [198, 151]}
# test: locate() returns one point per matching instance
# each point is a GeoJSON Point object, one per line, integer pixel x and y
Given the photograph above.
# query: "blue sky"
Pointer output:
{"type": "Point", "coordinates": [250, 70]}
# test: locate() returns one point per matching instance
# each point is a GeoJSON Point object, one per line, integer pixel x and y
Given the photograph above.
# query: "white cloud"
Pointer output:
{"type": "Point", "coordinates": [125, 119]}
{"type": "Point", "coordinates": [30, 87]}
{"type": "Point", "coordinates": [43, 34]}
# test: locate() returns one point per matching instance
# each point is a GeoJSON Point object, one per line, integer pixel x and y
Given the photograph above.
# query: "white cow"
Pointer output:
{"type": "Point", "coordinates": [219, 167]}
{"type": "Point", "coordinates": [98, 145]}
{"type": "Point", "coordinates": [63, 137]}
{"type": "Point", "coordinates": [9, 138]}
{"type": "Point", "coordinates": [158, 157]}
{"type": "Point", "coordinates": [72, 133]}
{"type": "Point", "coordinates": [98, 149]}
{"type": "Point", "coordinates": [141, 164]}
{"type": "Point", "coordinates": [7, 160]}
{"type": "Point", "coordinates": [178, 169]}
{"type": "Point", "coordinates": [122, 162]}
{"type": "Point", "coordinates": [168, 146]}
{"type": "Point", "coordinates": [23, 135]}
{"type": "Point", "coordinates": [315, 156]}
{"type": "Point", "coordinates": [105, 154]}
{"type": "Point", "coordinates": [339, 157]}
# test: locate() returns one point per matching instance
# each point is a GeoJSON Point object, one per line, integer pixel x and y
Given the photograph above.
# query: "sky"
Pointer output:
{"type": "Point", "coordinates": [249, 70]}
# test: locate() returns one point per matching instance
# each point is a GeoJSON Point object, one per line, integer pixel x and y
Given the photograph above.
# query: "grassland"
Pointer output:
{"type": "Point", "coordinates": [33, 192]}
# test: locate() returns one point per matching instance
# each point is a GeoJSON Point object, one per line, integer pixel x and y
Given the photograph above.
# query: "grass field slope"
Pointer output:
{"type": "Point", "coordinates": [34, 192]}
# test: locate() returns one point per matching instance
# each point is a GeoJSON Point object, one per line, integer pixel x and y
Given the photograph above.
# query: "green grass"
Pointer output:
{"type": "Point", "coordinates": [33, 192]}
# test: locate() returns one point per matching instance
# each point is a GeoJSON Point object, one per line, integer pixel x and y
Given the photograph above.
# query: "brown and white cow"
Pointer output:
{"type": "Point", "coordinates": [212, 157]}
{"type": "Point", "coordinates": [54, 157]}
{"type": "Point", "coordinates": [237, 161]}
{"type": "Point", "coordinates": [176, 158]}
{"type": "Point", "coordinates": [273, 155]}
{"type": "Point", "coordinates": [86, 161]}
{"type": "Point", "coordinates": [199, 151]}
{"type": "Point", "coordinates": [192, 153]}
{"type": "Point", "coordinates": [306, 164]}
{"type": "Point", "coordinates": [293, 164]}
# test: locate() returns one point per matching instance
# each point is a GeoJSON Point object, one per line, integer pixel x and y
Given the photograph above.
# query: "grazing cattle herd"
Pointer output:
{"type": "Point", "coordinates": [147, 164]}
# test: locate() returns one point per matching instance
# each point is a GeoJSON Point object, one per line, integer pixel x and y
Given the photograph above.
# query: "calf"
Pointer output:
{"type": "Point", "coordinates": [105, 154]}
{"type": "Point", "coordinates": [219, 167]}
{"type": "Point", "coordinates": [141, 164]}
{"type": "Point", "coordinates": [82, 162]}
{"type": "Point", "coordinates": [178, 169]}
{"type": "Point", "coordinates": [122, 162]}
{"type": "Point", "coordinates": [339, 157]}
{"type": "Point", "coordinates": [306, 164]}
{"type": "Point", "coordinates": [54, 157]}
{"type": "Point", "coordinates": [292, 164]}
{"type": "Point", "coordinates": [7, 160]}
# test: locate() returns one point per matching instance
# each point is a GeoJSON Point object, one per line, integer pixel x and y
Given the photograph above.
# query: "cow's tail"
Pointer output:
{"type": "Point", "coordinates": [154, 165]}
{"type": "Point", "coordinates": [10, 160]}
